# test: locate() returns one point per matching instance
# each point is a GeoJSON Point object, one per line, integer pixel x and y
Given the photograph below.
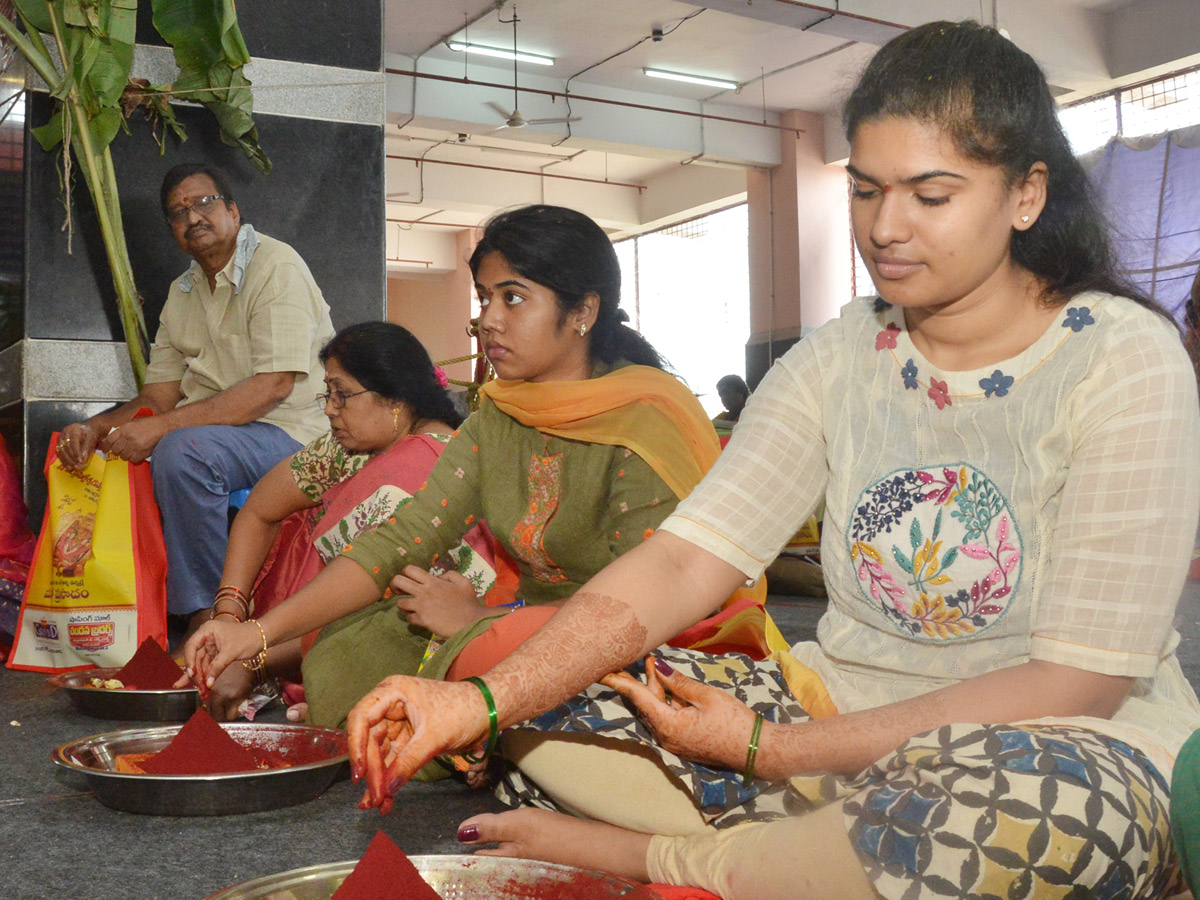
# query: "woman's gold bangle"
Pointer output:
{"type": "Point", "coordinates": [259, 662]}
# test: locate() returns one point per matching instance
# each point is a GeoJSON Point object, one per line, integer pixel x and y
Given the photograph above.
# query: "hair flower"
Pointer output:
{"type": "Point", "coordinates": [439, 375]}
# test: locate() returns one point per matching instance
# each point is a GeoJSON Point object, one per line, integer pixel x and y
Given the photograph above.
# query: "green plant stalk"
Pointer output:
{"type": "Point", "coordinates": [39, 60]}
{"type": "Point", "coordinates": [107, 207]}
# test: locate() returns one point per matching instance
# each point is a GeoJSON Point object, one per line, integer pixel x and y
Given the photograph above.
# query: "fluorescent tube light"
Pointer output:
{"type": "Point", "coordinates": [520, 56]}
{"type": "Point", "coordinates": [692, 79]}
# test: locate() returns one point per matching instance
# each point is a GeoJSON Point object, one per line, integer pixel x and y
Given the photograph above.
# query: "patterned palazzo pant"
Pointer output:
{"type": "Point", "coordinates": [988, 811]}
{"type": "Point", "coordinates": [1013, 812]}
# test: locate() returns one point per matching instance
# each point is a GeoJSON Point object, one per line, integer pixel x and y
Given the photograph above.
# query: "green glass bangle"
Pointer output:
{"type": "Point", "coordinates": [493, 722]}
{"type": "Point", "coordinates": [752, 750]}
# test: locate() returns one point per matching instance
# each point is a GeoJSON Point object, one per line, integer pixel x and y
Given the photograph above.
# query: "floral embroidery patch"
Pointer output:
{"type": "Point", "coordinates": [1078, 318]}
{"type": "Point", "coordinates": [886, 339]}
{"type": "Point", "coordinates": [997, 385]}
{"type": "Point", "coordinates": [544, 484]}
{"type": "Point", "coordinates": [936, 550]}
{"type": "Point", "coordinates": [334, 537]}
{"type": "Point", "coordinates": [909, 374]}
{"type": "Point", "coordinates": [939, 393]}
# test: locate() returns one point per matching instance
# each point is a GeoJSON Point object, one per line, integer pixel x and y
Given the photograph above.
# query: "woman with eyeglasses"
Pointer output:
{"type": "Point", "coordinates": [390, 418]}
{"type": "Point", "coordinates": [580, 448]}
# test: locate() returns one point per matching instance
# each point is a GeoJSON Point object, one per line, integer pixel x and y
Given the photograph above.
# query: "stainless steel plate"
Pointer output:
{"type": "Point", "coordinates": [147, 706]}
{"type": "Point", "coordinates": [320, 753]}
{"type": "Point", "coordinates": [454, 878]}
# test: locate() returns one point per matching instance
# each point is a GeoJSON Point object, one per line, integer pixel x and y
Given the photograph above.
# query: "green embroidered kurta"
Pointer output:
{"type": "Point", "coordinates": [562, 509]}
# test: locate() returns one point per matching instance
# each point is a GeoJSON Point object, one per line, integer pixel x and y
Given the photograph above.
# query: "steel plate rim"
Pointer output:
{"type": "Point", "coordinates": [422, 862]}
{"type": "Point", "coordinates": [60, 755]}
{"type": "Point", "coordinates": [60, 681]}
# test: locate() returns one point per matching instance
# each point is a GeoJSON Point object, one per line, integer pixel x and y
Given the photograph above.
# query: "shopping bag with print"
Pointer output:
{"type": "Point", "coordinates": [97, 584]}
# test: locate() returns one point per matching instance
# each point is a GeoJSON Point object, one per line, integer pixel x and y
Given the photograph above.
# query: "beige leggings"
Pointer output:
{"type": "Point", "coordinates": [625, 784]}
{"type": "Point", "coordinates": [614, 781]}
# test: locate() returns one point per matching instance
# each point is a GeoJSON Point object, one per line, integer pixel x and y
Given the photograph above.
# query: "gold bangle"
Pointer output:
{"type": "Point", "coordinates": [259, 662]}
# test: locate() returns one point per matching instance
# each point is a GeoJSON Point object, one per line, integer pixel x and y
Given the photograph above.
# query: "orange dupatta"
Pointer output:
{"type": "Point", "coordinates": [638, 407]}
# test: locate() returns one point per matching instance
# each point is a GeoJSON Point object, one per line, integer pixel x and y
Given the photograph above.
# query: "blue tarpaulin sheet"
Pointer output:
{"type": "Point", "coordinates": [1150, 191]}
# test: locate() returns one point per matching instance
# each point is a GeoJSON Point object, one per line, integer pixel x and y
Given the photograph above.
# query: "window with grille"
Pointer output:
{"type": "Point", "coordinates": [686, 288]}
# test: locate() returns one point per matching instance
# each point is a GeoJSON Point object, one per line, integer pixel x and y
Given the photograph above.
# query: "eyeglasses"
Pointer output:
{"type": "Point", "coordinates": [337, 398]}
{"type": "Point", "coordinates": [204, 206]}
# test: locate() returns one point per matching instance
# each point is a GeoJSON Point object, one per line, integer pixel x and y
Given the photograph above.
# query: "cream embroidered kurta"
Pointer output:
{"type": "Point", "coordinates": [1040, 508]}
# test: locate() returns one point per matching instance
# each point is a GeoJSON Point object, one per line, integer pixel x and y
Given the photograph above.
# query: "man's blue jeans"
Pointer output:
{"type": "Point", "coordinates": [195, 470]}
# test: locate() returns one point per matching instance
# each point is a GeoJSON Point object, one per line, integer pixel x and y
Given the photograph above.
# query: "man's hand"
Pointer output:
{"type": "Point", "coordinates": [136, 439]}
{"type": "Point", "coordinates": [76, 444]}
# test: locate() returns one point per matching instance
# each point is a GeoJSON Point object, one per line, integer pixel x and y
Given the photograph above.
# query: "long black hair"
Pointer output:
{"type": "Point", "coordinates": [992, 100]}
{"type": "Point", "coordinates": [567, 252]}
{"type": "Point", "coordinates": [387, 359]}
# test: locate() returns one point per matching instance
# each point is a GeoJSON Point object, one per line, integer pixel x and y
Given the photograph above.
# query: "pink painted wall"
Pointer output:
{"type": "Point", "coordinates": [437, 309]}
{"type": "Point", "coordinates": [798, 234]}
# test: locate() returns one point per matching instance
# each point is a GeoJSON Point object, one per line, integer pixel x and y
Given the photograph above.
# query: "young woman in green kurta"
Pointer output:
{"type": "Point", "coordinates": [579, 450]}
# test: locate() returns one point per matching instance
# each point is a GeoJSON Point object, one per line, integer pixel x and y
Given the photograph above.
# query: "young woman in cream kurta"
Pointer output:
{"type": "Point", "coordinates": [1007, 454]}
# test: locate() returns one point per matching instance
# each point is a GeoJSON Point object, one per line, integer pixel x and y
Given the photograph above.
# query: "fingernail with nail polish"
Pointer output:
{"type": "Point", "coordinates": [664, 667]}
{"type": "Point", "coordinates": [468, 833]}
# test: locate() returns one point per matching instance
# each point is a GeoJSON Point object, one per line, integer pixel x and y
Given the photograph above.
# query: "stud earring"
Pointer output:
{"type": "Point", "coordinates": [583, 329]}
{"type": "Point", "coordinates": [1025, 219]}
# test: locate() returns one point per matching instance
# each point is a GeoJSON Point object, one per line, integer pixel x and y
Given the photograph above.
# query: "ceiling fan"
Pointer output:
{"type": "Point", "coordinates": [514, 119]}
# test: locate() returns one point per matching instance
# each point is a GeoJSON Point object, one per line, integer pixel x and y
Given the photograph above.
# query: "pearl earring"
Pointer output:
{"type": "Point", "coordinates": [1025, 219]}
{"type": "Point", "coordinates": [583, 329]}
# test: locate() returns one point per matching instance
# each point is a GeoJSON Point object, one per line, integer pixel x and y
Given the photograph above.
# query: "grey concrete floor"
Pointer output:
{"type": "Point", "coordinates": [59, 842]}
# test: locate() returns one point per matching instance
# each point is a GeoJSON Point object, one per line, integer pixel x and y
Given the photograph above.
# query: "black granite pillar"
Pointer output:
{"type": "Point", "coordinates": [319, 108]}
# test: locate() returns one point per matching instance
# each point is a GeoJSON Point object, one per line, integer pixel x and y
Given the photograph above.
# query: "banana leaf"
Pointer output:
{"type": "Point", "coordinates": [210, 52]}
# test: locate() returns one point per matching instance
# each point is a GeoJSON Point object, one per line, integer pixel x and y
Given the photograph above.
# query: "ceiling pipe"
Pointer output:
{"type": "Point", "coordinates": [445, 162]}
{"type": "Point", "coordinates": [426, 222]}
{"type": "Point", "coordinates": [842, 13]}
{"type": "Point", "coordinates": [554, 95]}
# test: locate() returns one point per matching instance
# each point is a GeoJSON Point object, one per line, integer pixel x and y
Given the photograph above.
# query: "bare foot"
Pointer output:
{"type": "Point", "coordinates": [554, 837]}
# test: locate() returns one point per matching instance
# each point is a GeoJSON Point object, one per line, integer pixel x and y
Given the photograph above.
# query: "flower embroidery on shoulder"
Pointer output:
{"type": "Point", "coordinates": [909, 374]}
{"type": "Point", "coordinates": [1078, 318]}
{"type": "Point", "coordinates": [998, 384]}
{"type": "Point", "coordinates": [939, 393]}
{"type": "Point", "coordinates": [886, 339]}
